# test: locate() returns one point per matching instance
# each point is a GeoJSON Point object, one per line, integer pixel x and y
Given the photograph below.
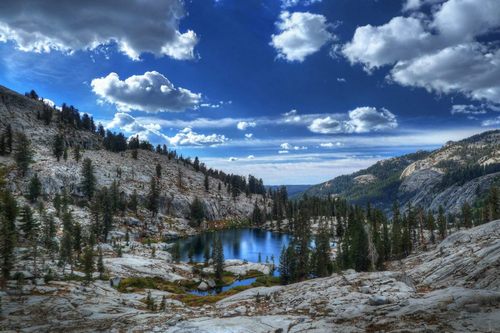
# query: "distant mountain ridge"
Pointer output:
{"type": "Point", "coordinates": [456, 173]}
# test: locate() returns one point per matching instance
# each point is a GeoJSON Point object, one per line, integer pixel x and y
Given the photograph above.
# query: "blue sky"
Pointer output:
{"type": "Point", "coordinates": [293, 91]}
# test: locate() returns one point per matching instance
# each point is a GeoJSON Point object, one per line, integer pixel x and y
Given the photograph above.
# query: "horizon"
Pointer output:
{"type": "Point", "coordinates": [294, 92]}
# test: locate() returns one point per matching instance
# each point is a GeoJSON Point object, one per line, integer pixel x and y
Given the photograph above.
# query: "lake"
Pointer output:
{"type": "Point", "coordinates": [243, 244]}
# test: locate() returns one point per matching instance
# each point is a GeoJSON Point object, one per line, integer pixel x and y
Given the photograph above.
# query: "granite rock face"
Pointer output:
{"type": "Point", "coordinates": [453, 288]}
{"type": "Point", "coordinates": [179, 183]}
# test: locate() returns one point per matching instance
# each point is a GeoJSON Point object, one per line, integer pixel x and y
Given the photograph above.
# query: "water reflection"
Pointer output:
{"type": "Point", "coordinates": [243, 244]}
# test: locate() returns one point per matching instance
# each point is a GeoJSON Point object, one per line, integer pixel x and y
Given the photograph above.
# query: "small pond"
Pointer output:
{"type": "Point", "coordinates": [244, 244]}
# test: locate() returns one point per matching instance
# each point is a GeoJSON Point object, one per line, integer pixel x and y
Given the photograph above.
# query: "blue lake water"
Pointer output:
{"type": "Point", "coordinates": [243, 244]}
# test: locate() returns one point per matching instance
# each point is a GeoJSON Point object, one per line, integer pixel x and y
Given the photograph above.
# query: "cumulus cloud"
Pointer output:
{"type": "Point", "coordinates": [436, 51]}
{"type": "Point", "coordinates": [249, 135]}
{"type": "Point", "coordinates": [472, 69]}
{"type": "Point", "coordinates": [300, 35]}
{"type": "Point", "coordinates": [150, 92]}
{"type": "Point", "coordinates": [232, 159]}
{"type": "Point", "coordinates": [283, 151]}
{"type": "Point", "coordinates": [251, 157]}
{"type": "Point", "coordinates": [136, 26]}
{"type": "Point", "coordinates": [243, 125]}
{"type": "Point", "coordinates": [187, 137]}
{"type": "Point", "coordinates": [131, 126]}
{"type": "Point", "coordinates": [152, 132]}
{"type": "Point", "coordinates": [360, 120]}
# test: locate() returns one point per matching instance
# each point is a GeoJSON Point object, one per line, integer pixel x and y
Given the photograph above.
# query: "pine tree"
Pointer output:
{"type": "Point", "coordinates": [28, 223]}
{"type": "Point", "coordinates": [257, 218]}
{"type": "Point", "coordinates": [158, 170]}
{"type": "Point", "coordinates": [466, 216]}
{"type": "Point", "coordinates": [49, 233]}
{"type": "Point", "coordinates": [197, 212]}
{"type": "Point", "coordinates": [431, 226]}
{"type": "Point", "coordinates": [88, 182]}
{"type": "Point", "coordinates": [386, 241]}
{"type": "Point", "coordinates": [206, 183]}
{"type": "Point", "coordinates": [218, 257]}
{"type": "Point", "coordinates": [8, 138]}
{"type": "Point", "coordinates": [7, 245]}
{"type": "Point", "coordinates": [65, 154]}
{"type": "Point", "coordinates": [23, 154]}
{"type": "Point", "coordinates": [77, 239]}
{"type": "Point", "coordinates": [322, 263]}
{"type": "Point", "coordinates": [206, 253]}
{"type": "Point", "coordinates": [133, 202]}
{"type": "Point", "coordinates": [176, 252]}
{"type": "Point", "coordinates": [196, 164]}
{"type": "Point", "coordinates": [441, 223]}
{"type": "Point", "coordinates": [77, 154]}
{"type": "Point", "coordinates": [493, 204]}
{"type": "Point", "coordinates": [396, 247]}
{"type": "Point", "coordinates": [58, 146]}
{"type": "Point", "coordinates": [100, 265]}
{"type": "Point", "coordinates": [88, 262]}
{"type": "Point", "coordinates": [3, 145]}
{"type": "Point", "coordinates": [34, 189]}
{"type": "Point", "coordinates": [287, 265]}
{"type": "Point", "coordinates": [163, 304]}
{"type": "Point", "coordinates": [66, 250]}
{"type": "Point", "coordinates": [152, 198]}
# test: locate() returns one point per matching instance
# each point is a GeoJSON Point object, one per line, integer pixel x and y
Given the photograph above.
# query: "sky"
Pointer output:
{"type": "Point", "coordinates": [292, 91]}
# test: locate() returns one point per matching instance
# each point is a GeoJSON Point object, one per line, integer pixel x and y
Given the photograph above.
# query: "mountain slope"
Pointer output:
{"type": "Point", "coordinates": [179, 183]}
{"type": "Point", "coordinates": [458, 172]}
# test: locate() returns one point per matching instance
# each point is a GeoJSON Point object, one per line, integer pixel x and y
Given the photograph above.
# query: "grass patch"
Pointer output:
{"type": "Point", "coordinates": [133, 284]}
{"type": "Point", "coordinates": [196, 300]}
{"type": "Point", "coordinates": [252, 274]}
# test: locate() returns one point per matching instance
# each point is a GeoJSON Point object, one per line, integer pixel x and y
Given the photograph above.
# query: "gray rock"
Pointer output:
{"type": "Point", "coordinates": [378, 300]}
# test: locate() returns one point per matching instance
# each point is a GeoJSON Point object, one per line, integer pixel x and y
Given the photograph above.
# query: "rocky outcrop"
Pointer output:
{"type": "Point", "coordinates": [453, 288]}
{"type": "Point", "coordinates": [179, 183]}
{"type": "Point", "coordinates": [417, 178]}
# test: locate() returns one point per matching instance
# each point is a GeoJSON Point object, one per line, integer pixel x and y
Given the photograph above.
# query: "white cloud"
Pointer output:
{"type": "Point", "coordinates": [248, 135]}
{"type": "Point", "coordinates": [436, 51]}
{"type": "Point", "coordinates": [472, 69]}
{"type": "Point", "coordinates": [136, 26]}
{"type": "Point", "coordinates": [293, 3]}
{"type": "Point", "coordinates": [243, 125]}
{"type": "Point", "coordinates": [327, 125]}
{"type": "Point", "coordinates": [232, 159]}
{"type": "Point", "coordinates": [286, 146]}
{"type": "Point", "coordinates": [150, 92]}
{"type": "Point", "coordinates": [491, 122]}
{"type": "Point", "coordinates": [341, 79]}
{"type": "Point", "coordinates": [187, 137]}
{"type": "Point", "coordinates": [300, 35]}
{"type": "Point", "coordinates": [251, 157]}
{"type": "Point", "coordinates": [361, 120]}
{"type": "Point", "coordinates": [469, 109]}
{"type": "Point", "coordinates": [330, 144]}
{"type": "Point", "coordinates": [283, 151]}
{"type": "Point", "coordinates": [367, 119]}
{"type": "Point", "coordinates": [152, 132]}
{"type": "Point", "coordinates": [417, 4]}
{"type": "Point", "coordinates": [124, 122]}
